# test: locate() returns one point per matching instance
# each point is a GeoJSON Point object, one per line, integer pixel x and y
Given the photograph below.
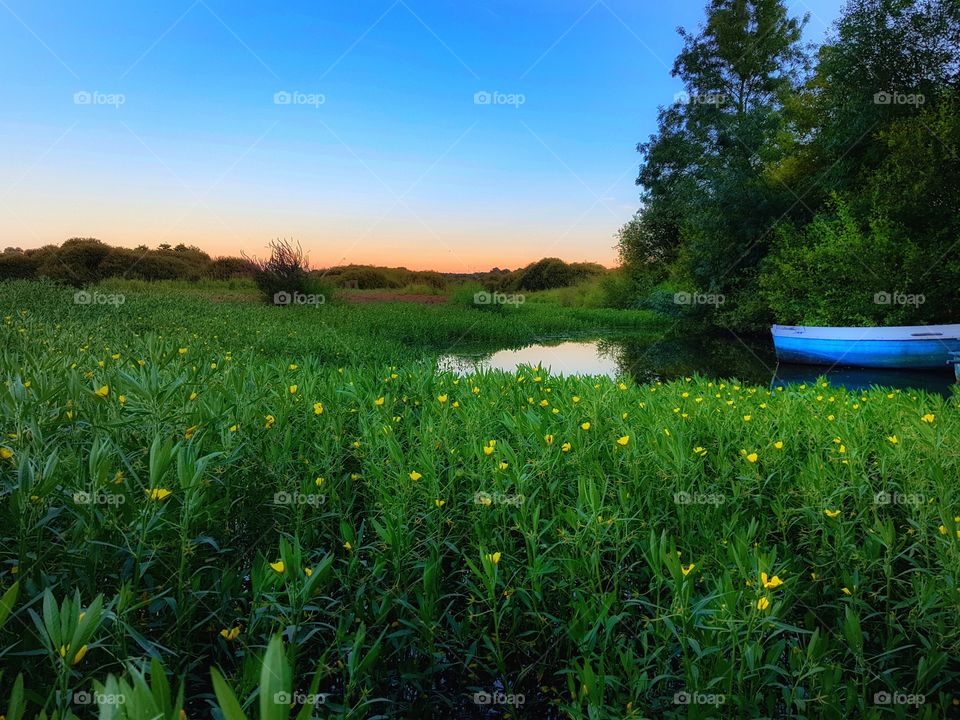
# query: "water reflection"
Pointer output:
{"type": "Point", "coordinates": [720, 357]}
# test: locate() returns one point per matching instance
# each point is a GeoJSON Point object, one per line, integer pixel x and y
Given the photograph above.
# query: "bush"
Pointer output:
{"type": "Point", "coordinates": [19, 266]}
{"type": "Point", "coordinates": [831, 272]}
{"type": "Point", "coordinates": [227, 268]}
{"type": "Point", "coordinates": [284, 271]}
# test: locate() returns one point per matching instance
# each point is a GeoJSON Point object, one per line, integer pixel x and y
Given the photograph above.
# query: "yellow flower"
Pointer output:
{"type": "Point", "coordinates": [893, 439]}
{"type": "Point", "coordinates": [771, 583]}
{"type": "Point", "coordinates": [929, 418]}
{"type": "Point", "coordinates": [778, 444]}
{"type": "Point", "coordinates": [441, 399]}
{"type": "Point", "coordinates": [292, 366]}
{"type": "Point", "coordinates": [503, 465]}
{"type": "Point", "coordinates": [308, 571]}
{"type": "Point", "coordinates": [379, 401]}
{"type": "Point", "coordinates": [701, 451]}
{"type": "Point", "coordinates": [439, 503]}
{"type": "Point", "coordinates": [293, 389]}
{"type": "Point", "coordinates": [746, 418]}
{"type": "Point", "coordinates": [183, 351]}
{"type": "Point", "coordinates": [576, 398]}
{"type": "Point", "coordinates": [414, 475]}
{"type": "Point", "coordinates": [566, 447]}
{"type": "Point", "coordinates": [752, 457]}
{"type": "Point", "coordinates": [102, 391]}
{"type": "Point", "coordinates": [623, 440]}
{"type": "Point", "coordinates": [158, 493]}
{"type": "Point", "coordinates": [493, 557]}
{"type": "Point", "coordinates": [193, 396]}
{"type": "Point", "coordinates": [846, 591]}
{"type": "Point", "coordinates": [230, 634]}
{"type": "Point", "coordinates": [188, 434]}
{"type": "Point", "coordinates": [318, 408]}
{"type": "Point", "coordinates": [686, 569]}
{"type": "Point", "coordinates": [279, 566]}
{"type": "Point", "coordinates": [80, 655]}
{"type": "Point", "coordinates": [830, 418]}
{"type": "Point", "coordinates": [488, 449]}
{"type": "Point", "coordinates": [269, 420]}
{"type": "Point", "coordinates": [763, 603]}
{"type": "Point", "coordinates": [234, 427]}
{"type": "Point", "coordinates": [5, 453]}
{"type": "Point", "coordinates": [585, 426]}
{"type": "Point", "coordinates": [348, 546]}
{"type": "Point", "coordinates": [213, 366]}
{"type": "Point", "coordinates": [122, 399]}
{"type": "Point", "coordinates": [831, 513]}
{"type": "Point", "coordinates": [544, 403]}
{"type": "Point", "coordinates": [456, 404]}
{"type": "Point", "coordinates": [319, 481]}
{"type": "Point", "coordinates": [548, 439]}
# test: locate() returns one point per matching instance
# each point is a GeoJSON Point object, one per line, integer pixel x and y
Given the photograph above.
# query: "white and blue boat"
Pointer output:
{"type": "Point", "coordinates": [909, 347]}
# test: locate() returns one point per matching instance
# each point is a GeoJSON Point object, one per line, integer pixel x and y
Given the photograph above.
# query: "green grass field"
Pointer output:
{"type": "Point", "coordinates": [288, 506]}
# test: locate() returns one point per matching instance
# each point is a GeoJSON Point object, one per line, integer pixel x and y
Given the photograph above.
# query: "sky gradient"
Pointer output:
{"type": "Point", "coordinates": [352, 127]}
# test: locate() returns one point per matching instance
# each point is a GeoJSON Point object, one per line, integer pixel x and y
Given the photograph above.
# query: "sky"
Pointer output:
{"type": "Point", "coordinates": [433, 134]}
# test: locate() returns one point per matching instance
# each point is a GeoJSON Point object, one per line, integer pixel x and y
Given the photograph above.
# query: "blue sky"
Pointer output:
{"type": "Point", "coordinates": [154, 122]}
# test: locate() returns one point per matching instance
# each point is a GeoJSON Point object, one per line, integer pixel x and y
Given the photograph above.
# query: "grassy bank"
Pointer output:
{"type": "Point", "coordinates": [220, 474]}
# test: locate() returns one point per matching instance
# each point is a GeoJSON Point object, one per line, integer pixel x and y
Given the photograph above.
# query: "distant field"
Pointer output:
{"type": "Point", "coordinates": [186, 480]}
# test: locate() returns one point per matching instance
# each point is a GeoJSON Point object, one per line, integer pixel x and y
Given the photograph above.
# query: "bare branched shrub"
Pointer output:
{"type": "Point", "coordinates": [285, 271]}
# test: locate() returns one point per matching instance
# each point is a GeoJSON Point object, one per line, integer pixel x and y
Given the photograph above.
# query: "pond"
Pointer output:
{"type": "Point", "coordinates": [750, 361]}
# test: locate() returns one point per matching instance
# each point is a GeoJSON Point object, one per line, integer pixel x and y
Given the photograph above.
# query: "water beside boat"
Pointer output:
{"type": "Point", "coordinates": [750, 361]}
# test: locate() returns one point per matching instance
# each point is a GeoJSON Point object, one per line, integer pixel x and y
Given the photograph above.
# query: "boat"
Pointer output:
{"type": "Point", "coordinates": [908, 347]}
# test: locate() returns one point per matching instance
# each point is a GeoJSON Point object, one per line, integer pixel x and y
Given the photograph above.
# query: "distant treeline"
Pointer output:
{"type": "Point", "coordinates": [543, 274]}
{"type": "Point", "coordinates": [81, 261]}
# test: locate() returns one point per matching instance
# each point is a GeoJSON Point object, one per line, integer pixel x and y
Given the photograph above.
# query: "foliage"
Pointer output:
{"type": "Point", "coordinates": [732, 190]}
{"type": "Point", "coordinates": [284, 272]}
{"type": "Point", "coordinates": [298, 521]}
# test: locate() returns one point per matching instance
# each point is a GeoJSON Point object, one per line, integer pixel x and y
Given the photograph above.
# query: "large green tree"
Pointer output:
{"type": "Point", "coordinates": [707, 206]}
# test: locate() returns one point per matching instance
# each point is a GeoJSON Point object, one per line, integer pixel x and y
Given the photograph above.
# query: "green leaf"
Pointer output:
{"type": "Point", "coordinates": [225, 698]}
{"type": "Point", "coordinates": [7, 602]}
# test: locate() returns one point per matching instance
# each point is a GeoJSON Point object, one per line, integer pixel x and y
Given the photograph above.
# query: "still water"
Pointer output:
{"type": "Point", "coordinates": [720, 357]}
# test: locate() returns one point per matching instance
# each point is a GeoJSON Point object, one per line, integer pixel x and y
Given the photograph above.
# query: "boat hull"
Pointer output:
{"type": "Point", "coordinates": [895, 348]}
